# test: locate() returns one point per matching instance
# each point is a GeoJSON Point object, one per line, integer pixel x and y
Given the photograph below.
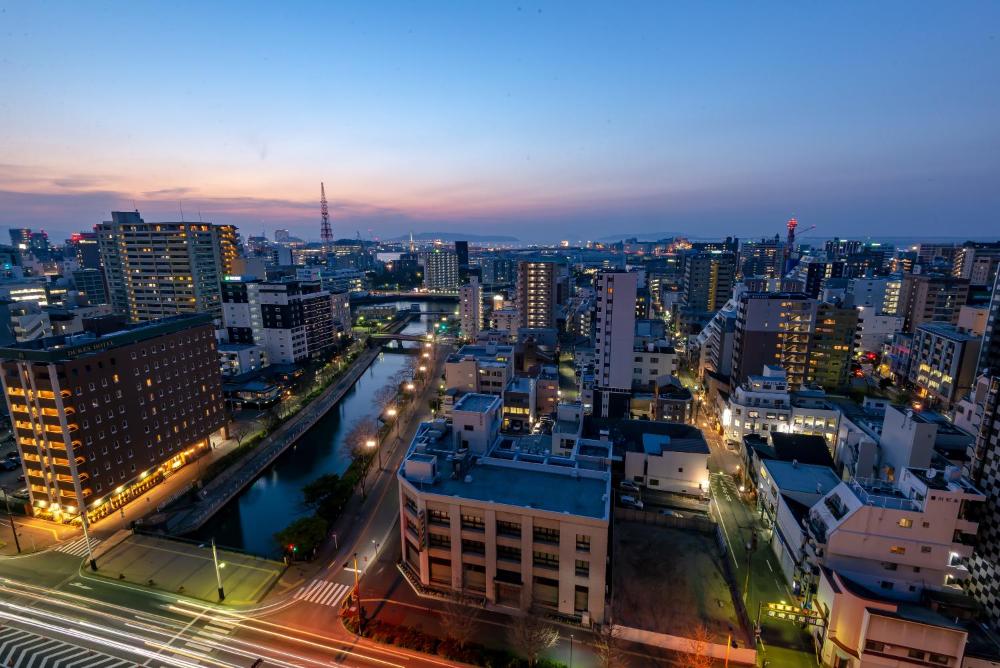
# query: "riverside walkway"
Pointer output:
{"type": "Point", "coordinates": [231, 482]}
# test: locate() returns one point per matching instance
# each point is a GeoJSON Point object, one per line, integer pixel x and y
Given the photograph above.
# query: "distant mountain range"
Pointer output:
{"type": "Point", "coordinates": [452, 236]}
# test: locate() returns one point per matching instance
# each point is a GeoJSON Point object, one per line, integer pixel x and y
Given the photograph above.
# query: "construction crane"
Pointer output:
{"type": "Point", "coordinates": [791, 226]}
{"type": "Point", "coordinates": [325, 231]}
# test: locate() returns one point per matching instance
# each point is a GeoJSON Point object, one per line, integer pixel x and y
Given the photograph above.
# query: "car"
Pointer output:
{"type": "Point", "coordinates": [13, 455]}
{"type": "Point", "coordinates": [631, 502]}
{"type": "Point", "coordinates": [629, 486]}
{"type": "Point", "coordinates": [9, 465]}
{"type": "Point", "coordinates": [666, 512]}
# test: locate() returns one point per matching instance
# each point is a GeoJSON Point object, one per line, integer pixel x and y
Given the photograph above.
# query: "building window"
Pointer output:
{"type": "Point", "coordinates": [939, 659]}
{"type": "Point", "coordinates": [582, 543]}
{"type": "Point", "coordinates": [545, 560]}
{"type": "Point", "coordinates": [439, 540]}
{"type": "Point", "coordinates": [874, 646]}
{"type": "Point", "coordinates": [916, 654]}
{"type": "Point", "coordinates": [583, 568]}
{"type": "Point", "coordinates": [439, 517]}
{"type": "Point", "coordinates": [505, 528]}
{"type": "Point", "coordinates": [546, 535]}
{"type": "Point", "coordinates": [897, 549]}
{"type": "Point", "coordinates": [473, 522]}
{"type": "Point", "coordinates": [473, 546]}
{"type": "Point", "coordinates": [508, 553]}
{"type": "Point", "coordinates": [925, 549]}
{"type": "Point", "coordinates": [905, 522]}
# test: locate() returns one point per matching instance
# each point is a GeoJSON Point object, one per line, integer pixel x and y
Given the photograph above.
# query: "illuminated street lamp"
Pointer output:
{"type": "Point", "coordinates": [372, 443]}
{"type": "Point", "coordinates": [410, 387]}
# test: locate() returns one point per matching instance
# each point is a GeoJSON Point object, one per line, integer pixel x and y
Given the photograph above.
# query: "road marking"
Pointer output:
{"type": "Point", "coordinates": [78, 547]}
{"type": "Point", "coordinates": [768, 562]}
{"type": "Point", "coordinates": [23, 648]}
{"type": "Point", "coordinates": [322, 592]}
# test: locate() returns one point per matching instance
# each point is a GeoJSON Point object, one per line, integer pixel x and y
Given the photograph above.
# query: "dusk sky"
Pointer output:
{"type": "Point", "coordinates": [538, 120]}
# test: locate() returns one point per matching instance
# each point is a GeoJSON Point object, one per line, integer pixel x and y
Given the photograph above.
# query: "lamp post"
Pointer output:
{"type": "Point", "coordinates": [392, 412]}
{"type": "Point", "coordinates": [570, 650]}
{"type": "Point", "coordinates": [372, 443]}
{"type": "Point", "coordinates": [218, 573]}
{"type": "Point", "coordinates": [10, 516]}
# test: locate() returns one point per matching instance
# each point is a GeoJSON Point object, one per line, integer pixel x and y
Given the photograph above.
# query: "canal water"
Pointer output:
{"type": "Point", "coordinates": [274, 500]}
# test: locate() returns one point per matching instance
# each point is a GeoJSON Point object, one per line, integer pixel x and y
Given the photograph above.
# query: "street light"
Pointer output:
{"type": "Point", "coordinates": [218, 573]}
{"type": "Point", "coordinates": [372, 443]}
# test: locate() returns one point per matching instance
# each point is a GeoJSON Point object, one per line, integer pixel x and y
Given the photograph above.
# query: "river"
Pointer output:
{"type": "Point", "coordinates": [270, 503]}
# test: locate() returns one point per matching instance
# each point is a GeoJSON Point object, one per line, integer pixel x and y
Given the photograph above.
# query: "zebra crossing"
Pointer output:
{"type": "Point", "coordinates": [323, 592]}
{"type": "Point", "coordinates": [23, 649]}
{"type": "Point", "coordinates": [78, 547]}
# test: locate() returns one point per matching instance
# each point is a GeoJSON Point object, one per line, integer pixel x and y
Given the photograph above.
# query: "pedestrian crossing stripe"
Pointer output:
{"type": "Point", "coordinates": [78, 547]}
{"type": "Point", "coordinates": [20, 649]}
{"type": "Point", "coordinates": [322, 592]}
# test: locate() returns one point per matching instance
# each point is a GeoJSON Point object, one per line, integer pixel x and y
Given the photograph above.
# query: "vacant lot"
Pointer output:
{"type": "Point", "coordinates": [671, 581]}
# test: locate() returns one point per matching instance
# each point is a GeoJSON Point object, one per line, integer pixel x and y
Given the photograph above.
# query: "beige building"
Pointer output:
{"type": "Point", "coordinates": [480, 368]}
{"type": "Point", "coordinates": [493, 517]}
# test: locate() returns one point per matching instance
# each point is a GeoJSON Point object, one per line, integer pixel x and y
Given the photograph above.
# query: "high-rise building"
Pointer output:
{"type": "Point", "coordinates": [813, 273]}
{"type": "Point", "coordinates": [462, 252]}
{"type": "Point", "coordinates": [542, 292]}
{"type": "Point", "coordinates": [931, 298]}
{"type": "Point", "coordinates": [281, 236]}
{"type": "Point", "coordinates": [20, 238]}
{"type": "Point", "coordinates": [101, 418]}
{"type": "Point", "coordinates": [831, 345]}
{"type": "Point", "coordinates": [708, 281]}
{"type": "Point", "coordinates": [471, 305]}
{"type": "Point", "coordinates": [155, 270]}
{"type": "Point", "coordinates": [615, 324]}
{"type": "Point", "coordinates": [441, 270]}
{"type": "Point", "coordinates": [761, 258]}
{"type": "Point", "coordinates": [943, 362]}
{"type": "Point", "coordinates": [86, 247]}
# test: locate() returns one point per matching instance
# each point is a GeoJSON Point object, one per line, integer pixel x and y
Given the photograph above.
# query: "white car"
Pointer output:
{"type": "Point", "coordinates": [629, 486]}
{"type": "Point", "coordinates": [666, 512]}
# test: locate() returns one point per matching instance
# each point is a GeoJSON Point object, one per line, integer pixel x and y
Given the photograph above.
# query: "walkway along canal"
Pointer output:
{"type": "Point", "coordinates": [267, 505]}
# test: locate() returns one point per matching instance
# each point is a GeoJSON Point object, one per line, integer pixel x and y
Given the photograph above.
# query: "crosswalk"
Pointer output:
{"type": "Point", "coordinates": [78, 547]}
{"type": "Point", "coordinates": [323, 592]}
{"type": "Point", "coordinates": [23, 649]}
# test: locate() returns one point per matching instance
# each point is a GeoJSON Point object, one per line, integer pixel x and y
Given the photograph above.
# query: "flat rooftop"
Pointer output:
{"type": "Point", "coordinates": [473, 402]}
{"type": "Point", "coordinates": [794, 477]}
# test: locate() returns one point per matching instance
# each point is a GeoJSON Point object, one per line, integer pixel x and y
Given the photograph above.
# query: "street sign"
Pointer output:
{"type": "Point", "coordinates": [794, 614]}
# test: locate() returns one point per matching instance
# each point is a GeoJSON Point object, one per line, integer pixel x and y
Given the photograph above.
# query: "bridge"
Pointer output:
{"type": "Point", "coordinates": [383, 297]}
{"type": "Point", "coordinates": [388, 336]}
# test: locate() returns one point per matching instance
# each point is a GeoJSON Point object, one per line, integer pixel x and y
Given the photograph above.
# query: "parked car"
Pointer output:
{"type": "Point", "coordinates": [13, 455]}
{"type": "Point", "coordinates": [666, 512]}
{"type": "Point", "coordinates": [9, 465]}
{"type": "Point", "coordinates": [629, 486]}
{"type": "Point", "coordinates": [631, 502]}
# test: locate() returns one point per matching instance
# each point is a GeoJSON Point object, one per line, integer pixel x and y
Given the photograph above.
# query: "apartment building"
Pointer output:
{"type": "Point", "coordinates": [480, 368]}
{"type": "Point", "coordinates": [943, 362]}
{"type": "Point", "coordinates": [761, 258]}
{"type": "Point", "coordinates": [502, 519]}
{"type": "Point", "coordinates": [441, 270]}
{"type": "Point", "coordinates": [977, 262]}
{"type": "Point", "coordinates": [707, 284]}
{"type": "Point", "coordinates": [931, 298]}
{"type": "Point", "coordinates": [155, 270]}
{"type": "Point", "coordinates": [101, 418]}
{"type": "Point", "coordinates": [470, 300]}
{"type": "Point", "coordinates": [292, 320]}
{"type": "Point", "coordinates": [91, 283]}
{"type": "Point", "coordinates": [541, 294]}
{"type": "Point", "coordinates": [874, 332]}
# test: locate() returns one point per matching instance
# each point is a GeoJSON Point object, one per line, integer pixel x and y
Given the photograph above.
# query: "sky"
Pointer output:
{"type": "Point", "coordinates": [543, 121]}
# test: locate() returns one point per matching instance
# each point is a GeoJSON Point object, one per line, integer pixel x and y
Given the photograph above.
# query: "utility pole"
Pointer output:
{"type": "Point", "coordinates": [86, 537]}
{"type": "Point", "coordinates": [10, 516]}
{"type": "Point", "coordinates": [218, 573]}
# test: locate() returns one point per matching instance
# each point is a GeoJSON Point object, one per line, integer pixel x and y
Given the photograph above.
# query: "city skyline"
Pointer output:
{"type": "Point", "coordinates": [536, 121]}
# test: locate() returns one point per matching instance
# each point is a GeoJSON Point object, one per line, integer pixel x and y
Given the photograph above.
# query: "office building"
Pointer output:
{"type": "Point", "coordinates": [470, 298]}
{"type": "Point", "coordinates": [707, 285]}
{"type": "Point", "coordinates": [462, 253]}
{"type": "Point", "coordinates": [441, 270]}
{"type": "Point", "coordinates": [615, 327]}
{"type": "Point", "coordinates": [831, 345]}
{"type": "Point", "coordinates": [154, 270]}
{"type": "Point", "coordinates": [101, 418]}
{"type": "Point", "coordinates": [25, 290]}
{"type": "Point", "coordinates": [931, 298]}
{"type": "Point", "coordinates": [874, 331]}
{"type": "Point", "coordinates": [813, 272]}
{"type": "Point", "coordinates": [479, 368]}
{"type": "Point", "coordinates": [943, 362]}
{"type": "Point", "coordinates": [86, 249]}
{"type": "Point", "coordinates": [497, 517]}
{"type": "Point", "coordinates": [90, 282]}
{"type": "Point", "coordinates": [541, 294]}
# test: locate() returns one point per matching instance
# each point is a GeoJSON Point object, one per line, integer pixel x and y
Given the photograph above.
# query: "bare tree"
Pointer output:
{"type": "Point", "coordinates": [698, 654]}
{"type": "Point", "coordinates": [531, 635]}
{"type": "Point", "coordinates": [356, 442]}
{"type": "Point", "coordinates": [384, 397]}
{"type": "Point", "coordinates": [608, 648]}
{"type": "Point", "coordinates": [239, 432]}
{"type": "Point", "coordinates": [459, 619]}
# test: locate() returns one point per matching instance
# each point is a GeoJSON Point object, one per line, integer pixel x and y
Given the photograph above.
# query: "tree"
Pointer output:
{"type": "Point", "coordinates": [698, 654]}
{"type": "Point", "coordinates": [608, 648]}
{"type": "Point", "coordinates": [363, 456]}
{"type": "Point", "coordinates": [240, 432]}
{"type": "Point", "coordinates": [319, 489]}
{"type": "Point", "coordinates": [459, 619]}
{"type": "Point", "coordinates": [305, 534]}
{"type": "Point", "coordinates": [531, 635]}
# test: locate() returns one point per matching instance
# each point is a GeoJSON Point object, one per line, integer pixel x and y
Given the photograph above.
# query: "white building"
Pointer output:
{"type": "Point", "coordinates": [652, 361]}
{"type": "Point", "coordinates": [898, 537]}
{"type": "Point", "coordinates": [471, 308]}
{"type": "Point", "coordinates": [615, 323]}
{"type": "Point", "coordinates": [486, 517]}
{"type": "Point", "coordinates": [943, 361]}
{"type": "Point", "coordinates": [874, 330]}
{"type": "Point", "coordinates": [669, 463]}
{"type": "Point", "coordinates": [240, 358]}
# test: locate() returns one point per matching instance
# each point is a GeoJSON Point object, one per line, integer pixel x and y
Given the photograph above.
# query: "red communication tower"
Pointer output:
{"type": "Point", "coordinates": [789, 245]}
{"type": "Point", "coordinates": [325, 232]}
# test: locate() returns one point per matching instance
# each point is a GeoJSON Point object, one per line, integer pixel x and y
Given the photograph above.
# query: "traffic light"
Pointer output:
{"type": "Point", "coordinates": [293, 548]}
